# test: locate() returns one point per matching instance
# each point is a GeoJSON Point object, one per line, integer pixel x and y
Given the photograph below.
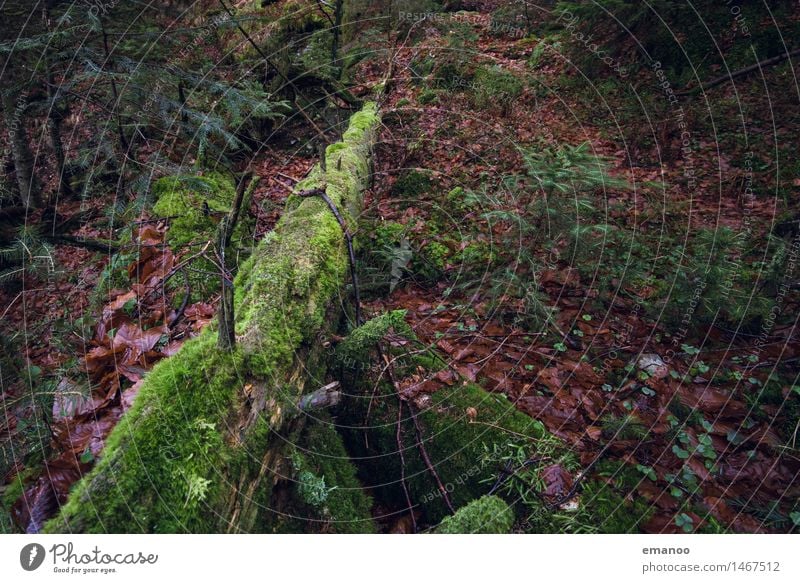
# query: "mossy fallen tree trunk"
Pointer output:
{"type": "Point", "coordinates": [211, 432]}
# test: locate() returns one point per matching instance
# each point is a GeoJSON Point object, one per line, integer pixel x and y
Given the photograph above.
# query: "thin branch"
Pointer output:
{"type": "Point", "coordinates": [399, 439]}
{"type": "Point", "coordinates": [348, 239]}
{"type": "Point", "coordinates": [738, 73]}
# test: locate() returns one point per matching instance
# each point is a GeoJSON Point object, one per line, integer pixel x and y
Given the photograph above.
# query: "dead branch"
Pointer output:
{"type": "Point", "coordinates": [322, 398]}
{"type": "Point", "coordinates": [739, 73]}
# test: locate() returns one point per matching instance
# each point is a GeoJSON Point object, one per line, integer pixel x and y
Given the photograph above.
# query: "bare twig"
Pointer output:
{"type": "Point", "coordinates": [227, 330]}
{"type": "Point", "coordinates": [348, 239]}
{"type": "Point", "coordinates": [185, 301]}
{"type": "Point", "coordinates": [399, 439]}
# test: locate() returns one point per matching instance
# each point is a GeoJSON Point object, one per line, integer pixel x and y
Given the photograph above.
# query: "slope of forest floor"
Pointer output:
{"type": "Point", "coordinates": [582, 334]}
{"type": "Point", "coordinates": [549, 235]}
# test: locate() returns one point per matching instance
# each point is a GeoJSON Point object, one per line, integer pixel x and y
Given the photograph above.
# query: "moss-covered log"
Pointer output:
{"type": "Point", "coordinates": [209, 434]}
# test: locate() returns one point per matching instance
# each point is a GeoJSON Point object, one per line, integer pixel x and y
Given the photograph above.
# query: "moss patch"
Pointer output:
{"type": "Point", "coordinates": [325, 492]}
{"type": "Point", "coordinates": [183, 199]}
{"type": "Point", "coordinates": [486, 515]}
{"type": "Point", "coordinates": [194, 206]}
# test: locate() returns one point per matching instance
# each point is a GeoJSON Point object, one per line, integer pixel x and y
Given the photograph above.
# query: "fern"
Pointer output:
{"type": "Point", "coordinates": [28, 254]}
{"type": "Point", "coordinates": [569, 169]}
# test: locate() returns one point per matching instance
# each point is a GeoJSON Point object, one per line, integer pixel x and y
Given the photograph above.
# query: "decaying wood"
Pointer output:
{"type": "Point", "coordinates": [322, 398]}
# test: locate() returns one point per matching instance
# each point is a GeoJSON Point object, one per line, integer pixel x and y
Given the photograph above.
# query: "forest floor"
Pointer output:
{"type": "Point", "coordinates": [685, 412]}
{"type": "Point", "coordinates": [581, 337]}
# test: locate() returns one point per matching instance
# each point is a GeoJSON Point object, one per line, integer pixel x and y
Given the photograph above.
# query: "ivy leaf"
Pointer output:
{"type": "Point", "coordinates": [685, 522]}
{"type": "Point", "coordinates": [680, 452]}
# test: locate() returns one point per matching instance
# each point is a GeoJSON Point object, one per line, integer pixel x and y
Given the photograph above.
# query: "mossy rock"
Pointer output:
{"type": "Point", "coordinates": [486, 515]}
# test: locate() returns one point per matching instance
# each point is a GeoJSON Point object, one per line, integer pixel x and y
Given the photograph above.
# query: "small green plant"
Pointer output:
{"type": "Point", "coordinates": [648, 472]}
{"type": "Point", "coordinates": [627, 427]}
{"type": "Point", "coordinates": [690, 350]}
{"type": "Point", "coordinates": [520, 479]}
{"type": "Point", "coordinates": [27, 255]}
{"type": "Point", "coordinates": [196, 489]}
{"type": "Point", "coordinates": [312, 488]}
{"type": "Point", "coordinates": [427, 96]}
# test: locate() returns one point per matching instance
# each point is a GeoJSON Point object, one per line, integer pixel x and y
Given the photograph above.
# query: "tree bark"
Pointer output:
{"type": "Point", "coordinates": [55, 114]}
{"type": "Point", "coordinates": [14, 20]}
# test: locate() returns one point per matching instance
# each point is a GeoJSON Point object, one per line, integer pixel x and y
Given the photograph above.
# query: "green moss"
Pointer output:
{"type": "Point", "coordinates": [183, 199]}
{"type": "Point", "coordinates": [486, 515]}
{"type": "Point", "coordinates": [358, 347]}
{"type": "Point", "coordinates": [455, 196]}
{"type": "Point", "coordinates": [428, 96]}
{"type": "Point", "coordinates": [10, 494]}
{"type": "Point", "coordinates": [476, 254]}
{"type": "Point", "coordinates": [389, 233]}
{"type": "Point", "coordinates": [495, 88]}
{"type": "Point", "coordinates": [155, 459]}
{"type": "Point", "coordinates": [430, 262]}
{"type": "Point", "coordinates": [412, 184]}
{"type": "Point", "coordinates": [13, 490]}
{"type": "Point", "coordinates": [189, 456]}
{"type": "Point", "coordinates": [326, 494]}
{"type": "Point", "coordinates": [455, 444]}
